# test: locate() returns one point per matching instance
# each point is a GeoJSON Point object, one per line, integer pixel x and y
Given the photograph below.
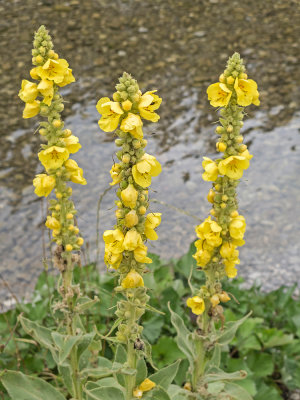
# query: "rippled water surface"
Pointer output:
{"type": "Point", "coordinates": [178, 48]}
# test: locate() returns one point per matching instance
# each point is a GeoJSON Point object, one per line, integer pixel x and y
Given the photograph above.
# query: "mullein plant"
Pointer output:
{"type": "Point", "coordinates": [125, 249]}
{"type": "Point", "coordinates": [68, 342]}
{"type": "Point", "coordinates": [219, 236]}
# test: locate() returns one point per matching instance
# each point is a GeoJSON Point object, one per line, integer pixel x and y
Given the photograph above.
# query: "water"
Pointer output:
{"type": "Point", "coordinates": [179, 53]}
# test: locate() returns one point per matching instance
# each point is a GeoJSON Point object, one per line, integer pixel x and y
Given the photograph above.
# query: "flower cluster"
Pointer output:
{"type": "Point", "coordinates": [125, 248]}
{"type": "Point", "coordinates": [51, 72]}
{"type": "Point", "coordinates": [222, 232]}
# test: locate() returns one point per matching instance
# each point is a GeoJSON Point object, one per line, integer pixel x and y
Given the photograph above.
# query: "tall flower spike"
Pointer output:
{"type": "Point", "coordinates": [43, 98]}
{"type": "Point", "coordinates": [125, 250]}
{"type": "Point", "coordinates": [221, 233]}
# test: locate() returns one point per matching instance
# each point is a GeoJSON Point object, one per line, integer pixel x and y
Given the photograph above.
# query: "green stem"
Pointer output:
{"type": "Point", "coordinates": [130, 379]}
{"type": "Point", "coordinates": [68, 278]}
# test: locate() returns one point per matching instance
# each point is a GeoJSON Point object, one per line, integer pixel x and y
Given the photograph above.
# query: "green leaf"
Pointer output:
{"type": "Point", "coordinates": [184, 341]}
{"type": "Point", "coordinates": [105, 393]}
{"type": "Point", "coordinates": [215, 387]}
{"type": "Point", "coordinates": [121, 355]}
{"type": "Point", "coordinates": [157, 394]}
{"type": "Point", "coordinates": [249, 385]}
{"type": "Point", "coordinates": [85, 303]}
{"type": "Point", "coordinates": [153, 327]}
{"type": "Point", "coordinates": [84, 342]}
{"type": "Point", "coordinates": [226, 336]}
{"type": "Point", "coordinates": [274, 337]}
{"type": "Point", "coordinates": [66, 373]}
{"type": "Point", "coordinates": [65, 343]}
{"type": "Point", "coordinates": [215, 359]}
{"type": "Point", "coordinates": [260, 363]}
{"type": "Point", "coordinates": [216, 374]}
{"type": "Point", "coordinates": [237, 392]}
{"type": "Point", "coordinates": [267, 392]}
{"type": "Point", "coordinates": [166, 351]}
{"type": "Point", "coordinates": [41, 334]}
{"type": "Point", "coordinates": [22, 387]}
{"type": "Point", "coordinates": [165, 376]}
{"type": "Point", "coordinates": [141, 371]}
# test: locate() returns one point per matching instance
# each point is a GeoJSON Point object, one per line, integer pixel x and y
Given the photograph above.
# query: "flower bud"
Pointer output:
{"type": "Point", "coordinates": [222, 78]}
{"type": "Point", "coordinates": [58, 195]}
{"type": "Point", "coordinates": [126, 158]}
{"type": "Point", "coordinates": [69, 247]}
{"type": "Point", "coordinates": [229, 128]}
{"type": "Point", "coordinates": [242, 148]}
{"type": "Point", "coordinates": [131, 219]}
{"type": "Point", "coordinates": [215, 300]}
{"type": "Point", "coordinates": [224, 197]}
{"type": "Point", "coordinates": [223, 205]}
{"type": "Point", "coordinates": [221, 146]}
{"type": "Point", "coordinates": [234, 214]}
{"type": "Point", "coordinates": [56, 123]}
{"type": "Point", "coordinates": [219, 130]}
{"type": "Point", "coordinates": [230, 80]}
{"type": "Point", "coordinates": [126, 105]}
{"type": "Point", "coordinates": [80, 241]}
{"type": "Point", "coordinates": [39, 59]}
{"type": "Point", "coordinates": [239, 139]}
{"type": "Point", "coordinates": [142, 210]}
{"type": "Point", "coordinates": [211, 196]}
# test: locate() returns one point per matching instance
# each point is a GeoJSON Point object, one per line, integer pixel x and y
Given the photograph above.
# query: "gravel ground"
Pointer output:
{"type": "Point", "coordinates": [179, 47]}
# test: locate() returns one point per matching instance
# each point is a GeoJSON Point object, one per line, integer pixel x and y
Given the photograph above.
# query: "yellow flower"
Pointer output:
{"type": "Point", "coordinates": [246, 91]}
{"type": "Point", "coordinates": [147, 385]}
{"type": "Point", "coordinates": [210, 231]}
{"type": "Point", "coordinates": [28, 92]}
{"type": "Point", "coordinates": [114, 239]}
{"type": "Point", "coordinates": [46, 89]}
{"type": "Point", "coordinates": [230, 254]}
{"type": "Point", "coordinates": [153, 220]}
{"type": "Point", "coordinates": [145, 169]}
{"type": "Point", "coordinates": [246, 154]}
{"type": "Point", "coordinates": [113, 247]}
{"type": "Point", "coordinates": [132, 240]}
{"type": "Point", "coordinates": [52, 223]}
{"type": "Point", "coordinates": [129, 196]}
{"type": "Point", "coordinates": [31, 109]}
{"type": "Point", "coordinates": [203, 253]}
{"type": "Point", "coordinates": [196, 304]}
{"type": "Point", "coordinates": [111, 112]}
{"type": "Point", "coordinates": [231, 272]}
{"type": "Point", "coordinates": [115, 174]}
{"type": "Point", "coordinates": [53, 157]}
{"type": "Point", "coordinates": [53, 70]}
{"type": "Point", "coordinates": [112, 259]}
{"type": "Point", "coordinates": [133, 124]}
{"type": "Point", "coordinates": [233, 166]}
{"type": "Point", "coordinates": [228, 250]}
{"type": "Point", "coordinates": [219, 94]}
{"type": "Point", "coordinates": [132, 280]}
{"type": "Point", "coordinates": [210, 168]}
{"type": "Point", "coordinates": [76, 173]}
{"type": "Point", "coordinates": [149, 102]}
{"type": "Point", "coordinates": [68, 78]}
{"type": "Point", "coordinates": [72, 144]}
{"type": "Point", "coordinates": [140, 254]}
{"type": "Point", "coordinates": [237, 228]}
{"type": "Point", "coordinates": [34, 73]}
{"type": "Point", "coordinates": [43, 184]}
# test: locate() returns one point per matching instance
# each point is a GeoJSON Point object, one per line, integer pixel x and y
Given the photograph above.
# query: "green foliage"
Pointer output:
{"type": "Point", "coordinates": [266, 345]}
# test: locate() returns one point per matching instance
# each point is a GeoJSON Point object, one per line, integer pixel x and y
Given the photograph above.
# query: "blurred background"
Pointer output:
{"type": "Point", "coordinates": [179, 48]}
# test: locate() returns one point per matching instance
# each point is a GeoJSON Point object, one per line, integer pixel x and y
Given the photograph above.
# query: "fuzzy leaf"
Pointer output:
{"type": "Point", "coordinates": [105, 393]}
{"type": "Point", "coordinates": [183, 339]}
{"type": "Point", "coordinates": [22, 387]}
{"type": "Point", "coordinates": [236, 392]}
{"type": "Point", "coordinates": [226, 335]}
{"type": "Point", "coordinates": [165, 376]}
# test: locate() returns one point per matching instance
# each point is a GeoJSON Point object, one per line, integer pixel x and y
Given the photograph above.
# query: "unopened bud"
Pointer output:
{"type": "Point", "coordinates": [126, 105]}
{"type": "Point", "coordinates": [230, 80]}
